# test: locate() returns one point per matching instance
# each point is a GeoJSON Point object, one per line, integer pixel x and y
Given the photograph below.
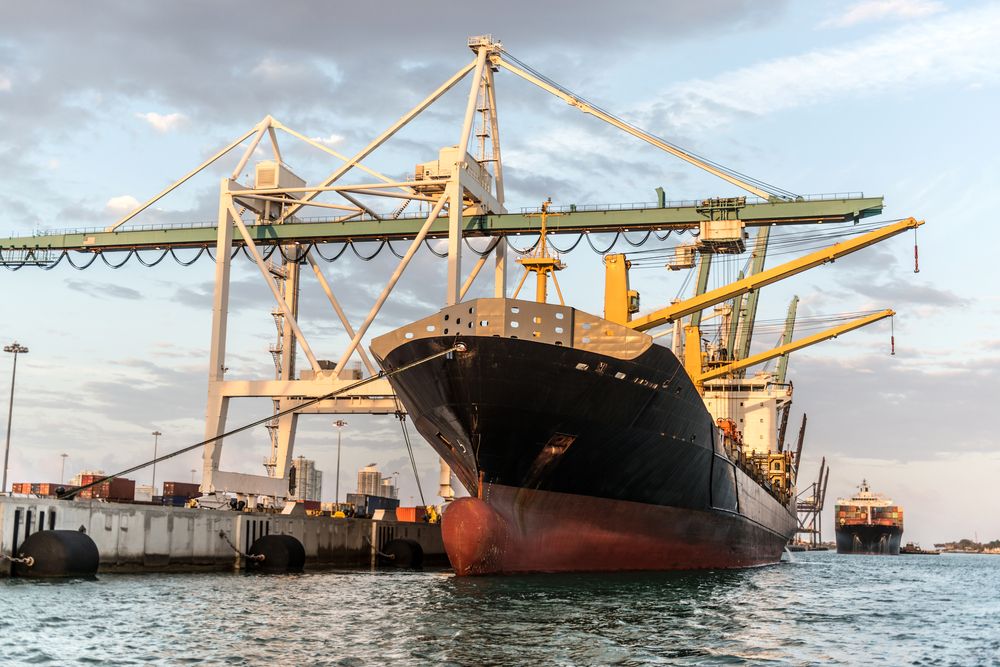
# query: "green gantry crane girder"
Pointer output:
{"type": "Point", "coordinates": [817, 209]}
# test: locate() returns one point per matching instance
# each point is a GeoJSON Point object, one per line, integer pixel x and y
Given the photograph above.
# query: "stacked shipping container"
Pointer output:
{"type": "Point", "coordinates": [850, 515]}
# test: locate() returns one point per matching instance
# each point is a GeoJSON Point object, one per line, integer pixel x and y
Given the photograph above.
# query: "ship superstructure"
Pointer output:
{"type": "Point", "coordinates": [868, 523]}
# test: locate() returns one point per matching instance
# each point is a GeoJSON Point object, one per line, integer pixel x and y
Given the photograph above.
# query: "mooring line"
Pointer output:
{"type": "Point", "coordinates": [458, 347]}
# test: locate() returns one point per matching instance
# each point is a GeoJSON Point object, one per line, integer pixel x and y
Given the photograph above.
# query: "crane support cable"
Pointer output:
{"type": "Point", "coordinates": [459, 347]}
{"type": "Point", "coordinates": [755, 187]}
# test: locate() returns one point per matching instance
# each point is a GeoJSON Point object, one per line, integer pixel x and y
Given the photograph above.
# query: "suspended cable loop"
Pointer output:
{"type": "Point", "coordinates": [53, 264]}
{"type": "Point", "coordinates": [518, 250]}
{"type": "Point", "coordinates": [664, 237]}
{"type": "Point", "coordinates": [571, 248]}
{"type": "Point", "coordinates": [636, 245]}
{"type": "Point", "coordinates": [289, 260]}
{"type": "Point", "coordinates": [606, 250]}
{"type": "Point", "coordinates": [489, 248]}
{"type": "Point", "coordinates": [434, 252]}
{"type": "Point", "coordinates": [371, 256]}
{"type": "Point", "coordinates": [201, 251]}
{"type": "Point", "coordinates": [393, 250]}
{"type": "Point", "coordinates": [117, 266]}
{"type": "Point", "coordinates": [93, 259]}
{"type": "Point", "coordinates": [343, 249]}
{"type": "Point", "coordinates": [151, 264]}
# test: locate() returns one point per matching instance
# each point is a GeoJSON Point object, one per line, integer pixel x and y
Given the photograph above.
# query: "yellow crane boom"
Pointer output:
{"type": "Point", "coordinates": [736, 366]}
{"type": "Point", "coordinates": [708, 299]}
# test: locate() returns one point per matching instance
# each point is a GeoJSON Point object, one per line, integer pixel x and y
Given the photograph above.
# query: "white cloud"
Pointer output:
{"type": "Point", "coordinates": [122, 205]}
{"type": "Point", "coordinates": [330, 142]}
{"type": "Point", "coordinates": [163, 124]}
{"type": "Point", "coordinates": [953, 49]}
{"type": "Point", "coordinates": [52, 164]}
{"type": "Point", "coordinates": [4, 83]}
{"type": "Point", "coordinates": [874, 10]}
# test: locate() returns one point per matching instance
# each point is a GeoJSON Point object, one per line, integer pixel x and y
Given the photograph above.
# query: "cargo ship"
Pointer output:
{"type": "Point", "coordinates": [586, 446]}
{"type": "Point", "coordinates": [868, 523]}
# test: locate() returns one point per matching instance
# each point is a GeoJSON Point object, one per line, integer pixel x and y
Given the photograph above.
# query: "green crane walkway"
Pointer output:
{"type": "Point", "coordinates": [596, 219]}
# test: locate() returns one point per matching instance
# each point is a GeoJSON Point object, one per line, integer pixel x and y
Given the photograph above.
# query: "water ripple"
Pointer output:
{"type": "Point", "coordinates": [821, 609]}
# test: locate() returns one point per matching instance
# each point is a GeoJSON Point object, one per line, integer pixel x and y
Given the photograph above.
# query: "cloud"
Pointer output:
{"type": "Point", "coordinates": [954, 49]}
{"type": "Point", "coordinates": [102, 291]}
{"type": "Point", "coordinates": [875, 10]}
{"type": "Point", "coordinates": [163, 124]}
{"type": "Point", "coordinates": [4, 83]}
{"type": "Point", "coordinates": [122, 205]}
{"type": "Point", "coordinates": [330, 142]}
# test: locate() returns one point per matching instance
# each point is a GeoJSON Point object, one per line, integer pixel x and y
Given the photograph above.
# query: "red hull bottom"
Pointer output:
{"type": "Point", "coordinates": [520, 530]}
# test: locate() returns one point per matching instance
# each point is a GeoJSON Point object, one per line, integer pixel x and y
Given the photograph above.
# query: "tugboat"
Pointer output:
{"type": "Point", "coordinates": [912, 548]}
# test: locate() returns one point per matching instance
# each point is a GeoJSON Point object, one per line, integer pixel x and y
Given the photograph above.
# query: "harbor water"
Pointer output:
{"type": "Point", "coordinates": [820, 608]}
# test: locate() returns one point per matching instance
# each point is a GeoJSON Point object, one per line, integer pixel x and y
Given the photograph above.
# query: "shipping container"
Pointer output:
{"type": "Point", "coordinates": [181, 489]}
{"type": "Point", "coordinates": [308, 505]}
{"type": "Point", "coordinates": [366, 506]}
{"type": "Point", "coordinates": [173, 501]}
{"type": "Point", "coordinates": [114, 489]}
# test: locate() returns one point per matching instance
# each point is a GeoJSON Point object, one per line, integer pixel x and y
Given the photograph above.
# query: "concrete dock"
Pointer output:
{"type": "Point", "coordinates": [149, 538]}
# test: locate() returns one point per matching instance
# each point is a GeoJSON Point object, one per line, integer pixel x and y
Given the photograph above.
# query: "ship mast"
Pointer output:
{"type": "Point", "coordinates": [540, 262]}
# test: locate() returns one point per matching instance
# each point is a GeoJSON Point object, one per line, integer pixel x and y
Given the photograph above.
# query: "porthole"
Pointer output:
{"type": "Point", "coordinates": [559, 330]}
{"type": "Point", "coordinates": [471, 310]}
{"type": "Point", "coordinates": [537, 320]}
{"type": "Point", "coordinates": [446, 331]}
{"type": "Point", "coordinates": [515, 310]}
{"type": "Point", "coordinates": [446, 317]}
{"type": "Point", "coordinates": [559, 316]}
{"type": "Point", "coordinates": [586, 340]}
{"type": "Point", "coordinates": [586, 325]}
{"type": "Point", "coordinates": [430, 327]}
{"type": "Point", "coordinates": [536, 334]}
{"type": "Point", "coordinates": [458, 320]}
{"type": "Point", "coordinates": [408, 335]}
{"type": "Point", "coordinates": [514, 325]}
{"type": "Point", "coordinates": [484, 323]}
{"type": "Point", "coordinates": [470, 325]}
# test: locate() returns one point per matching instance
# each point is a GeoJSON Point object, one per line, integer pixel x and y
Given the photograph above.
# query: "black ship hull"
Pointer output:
{"type": "Point", "coordinates": [582, 461]}
{"type": "Point", "coordinates": [869, 539]}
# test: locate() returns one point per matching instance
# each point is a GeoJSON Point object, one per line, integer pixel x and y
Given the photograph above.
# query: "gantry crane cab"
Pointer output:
{"type": "Point", "coordinates": [619, 301]}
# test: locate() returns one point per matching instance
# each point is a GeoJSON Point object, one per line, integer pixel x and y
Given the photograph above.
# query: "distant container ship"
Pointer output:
{"type": "Point", "coordinates": [868, 523]}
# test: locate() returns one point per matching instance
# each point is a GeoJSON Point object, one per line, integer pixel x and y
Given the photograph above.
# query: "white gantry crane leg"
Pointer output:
{"type": "Point", "coordinates": [218, 405]}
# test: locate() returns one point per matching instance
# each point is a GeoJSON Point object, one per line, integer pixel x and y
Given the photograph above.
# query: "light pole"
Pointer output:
{"type": "Point", "coordinates": [340, 424]}
{"type": "Point", "coordinates": [156, 438]}
{"type": "Point", "coordinates": [63, 473]}
{"type": "Point", "coordinates": [193, 471]}
{"type": "Point", "coordinates": [16, 349]}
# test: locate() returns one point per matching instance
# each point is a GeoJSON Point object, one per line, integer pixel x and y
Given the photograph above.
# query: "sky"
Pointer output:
{"type": "Point", "coordinates": [103, 105]}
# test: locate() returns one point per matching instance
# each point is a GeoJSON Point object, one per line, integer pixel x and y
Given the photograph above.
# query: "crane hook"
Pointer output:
{"type": "Point", "coordinates": [916, 258]}
{"type": "Point", "coordinates": [892, 337]}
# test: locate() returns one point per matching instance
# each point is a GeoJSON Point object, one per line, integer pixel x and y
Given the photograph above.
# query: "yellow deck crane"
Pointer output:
{"type": "Point", "coordinates": [618, 298]}
{"type": "Point", "coordinates": [540, 262]}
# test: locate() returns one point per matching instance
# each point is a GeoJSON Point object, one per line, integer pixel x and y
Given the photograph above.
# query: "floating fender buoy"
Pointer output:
{"type": "Point", "coordinates": [58, 553]}
{"type": "Point", "coordinates": [282, 553]}
{"type": "Point", "coordinates": [405, 553]}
